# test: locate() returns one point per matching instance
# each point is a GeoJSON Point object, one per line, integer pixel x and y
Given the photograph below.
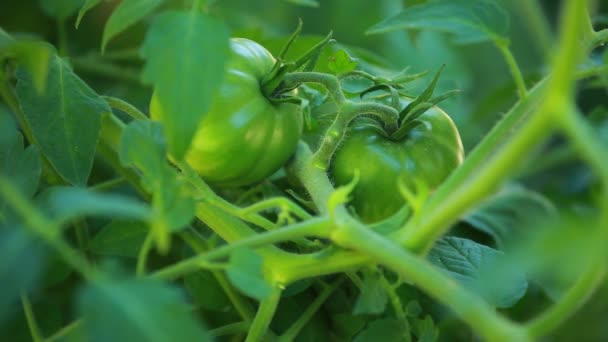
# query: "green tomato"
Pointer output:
{"type": "Point", "coordinates": [428, 153]}
{"type": "Point", "coordinates": [244, 137]}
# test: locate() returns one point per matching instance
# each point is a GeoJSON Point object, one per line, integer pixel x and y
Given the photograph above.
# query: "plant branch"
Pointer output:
{"type": "Point", "coordinates": [31, 319]}
{"type": "Point", "coordinates": [266, 311]}
{"type": "Point", "coordinates": [503, 46]}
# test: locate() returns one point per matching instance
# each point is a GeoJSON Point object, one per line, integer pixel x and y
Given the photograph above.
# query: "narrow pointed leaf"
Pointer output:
{"type": "Point", "coordinates": [126, 14]}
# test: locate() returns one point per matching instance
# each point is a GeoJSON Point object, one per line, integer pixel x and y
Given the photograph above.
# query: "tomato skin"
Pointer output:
{"type": "Point", "coordinates": [244, 138]}
{"type": "Point", "coordinates": [429, 152]}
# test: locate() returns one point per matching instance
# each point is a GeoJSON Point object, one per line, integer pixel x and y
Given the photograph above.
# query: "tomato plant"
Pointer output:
{"type": "Point", "coordinates": [162, 181]}
{"type": "Point", "coordinates": [244, 137]}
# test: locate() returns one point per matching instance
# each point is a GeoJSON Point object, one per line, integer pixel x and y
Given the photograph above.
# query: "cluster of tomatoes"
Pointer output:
{"type": "Point", "coordinates": [246, 137]}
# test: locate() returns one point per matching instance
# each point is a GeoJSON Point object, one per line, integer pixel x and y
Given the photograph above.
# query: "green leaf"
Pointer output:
{"type": "Point", "coordinates": [31, 54]}
{"type": "Point", "coordinates": [68, 203]}
{"type": "Point", "coordinates": [373, 297]}
{"type": "Point", "coordinates": [471, 264]}
{"type": "Point", "coordinates": [568, 246]}
{"type": "Point", "coordinates": [388, 329]}
{"type": "Point", "coordinates": [88, 4]}
{"type": "Point", "coordinates": [341, 62]}
{"type": "Point", "coordinates": [60, 9]}
{"type": "Point", "coordinates": [425, 329]}
{"type": "Point", "coordinates": [21, 166]}
{"type": "Point", "coordinates": [207, 292]}
{"type": "Point", "coordinates": [142, 145]}
{"type": "Point", "coordinates": [305, 3]}
{"type": "Point", "coordinates": [126, 14]}
{"type": "Point", "coordinates": [509, 212]}
{"type": "Point", "coordinates": [137, 310]}
{"type": "Point", "coordinates": [21, 261]}
{"type": "Point", "coordinates": [468, 21]}
{"type": "Point", "coordinates": [119, 238]}
{"type": "Point", "coordinates": [65, 119]}
{"type": "Point", "coordinates": [185, 53]}
{"type": "Point", "coordinates": [245, 271]}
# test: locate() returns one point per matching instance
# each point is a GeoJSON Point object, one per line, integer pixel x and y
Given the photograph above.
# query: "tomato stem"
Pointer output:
{"type": "Point", "coordinates": [266, 310]}
{"type": "Point", "coordinates": [348, 111]}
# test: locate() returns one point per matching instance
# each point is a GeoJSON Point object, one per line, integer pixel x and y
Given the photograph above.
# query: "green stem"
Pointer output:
{"type": "Point", "coordinates": [82, 235]}
{"type": "Point", "coordinates": [199, 246]}
{"type": "Point", "coordinates": [109, 184]}
{"type": "Point", "coordinates": [142, 257]}
{"type": "Point", "coordinates": [292, 332]}
{"type": "Point", "coordinates": [397, 306]}
{"type": "Point", "coordinates": [282, 203]}
{"type": "Point", "coordinates": [313, 227]}
{"type": "Point", "coordinates": [434, 220]}
{"type": "Point", "coordinates": [31, 319]}
{"type": "Point", "coordinates": [585, 140]}
{"type": "Point", "coordinates": [44, 229]}
{"type": "Point", "coordinates": [570, 302]}
{"type": "Point", "coordinates": [468, 306]}
{"type": "Point", "coordinates": [61, 333]}
{"type": "Point", "coordinates": [292, 80]}
{"type": "Point", "coordinates": [127, 54]}
{"type": "Point", "coordinates": [372, 247]}
{"type": "Point", "coordinates": [503, 46]}
{"type": "Point", "coordinates": [62, 39]}
{"type": "Point", "coordinates": [95, 66]}
{"type": "Point", "coordinates": [466, 188]}
{"type": "Point", "coordinates": [126, 107]}
{"type": "Point", "coordinates": [230, 329]}
{"type": "Point", "coordinates": [348, 111]}
{"type": "Point", "coordinates": [261, 322]}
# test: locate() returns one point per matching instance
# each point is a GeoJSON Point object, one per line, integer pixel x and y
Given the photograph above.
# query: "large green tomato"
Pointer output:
{"type": "Point", "coordinates": [428, 153]}
{"type": "Point", "coordinates": [244, 137]}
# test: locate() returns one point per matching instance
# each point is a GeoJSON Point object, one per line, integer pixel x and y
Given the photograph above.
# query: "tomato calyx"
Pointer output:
{"type": "Point", "coordinates": [272, 84]}
{"type": "Point", "coordinates": [415, 108]}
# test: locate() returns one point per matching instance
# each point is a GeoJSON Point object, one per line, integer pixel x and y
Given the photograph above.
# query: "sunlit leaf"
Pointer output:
{"type": "Point", "coordinates": [185, 54]}
{"type": "Point", "coordinates": [341, 62]}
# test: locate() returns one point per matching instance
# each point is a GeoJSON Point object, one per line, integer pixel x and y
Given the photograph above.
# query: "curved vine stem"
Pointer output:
{"type": "Point", "coordinates": [261, 322]}
{"type": "Point", "coordinates": [347, 111]}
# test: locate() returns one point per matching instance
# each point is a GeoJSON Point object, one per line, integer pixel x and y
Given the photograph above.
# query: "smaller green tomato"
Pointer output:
{"type": "Point", "coordinates": [244, 137]}
{"type": "Point", "coordinates": [429, 152]}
